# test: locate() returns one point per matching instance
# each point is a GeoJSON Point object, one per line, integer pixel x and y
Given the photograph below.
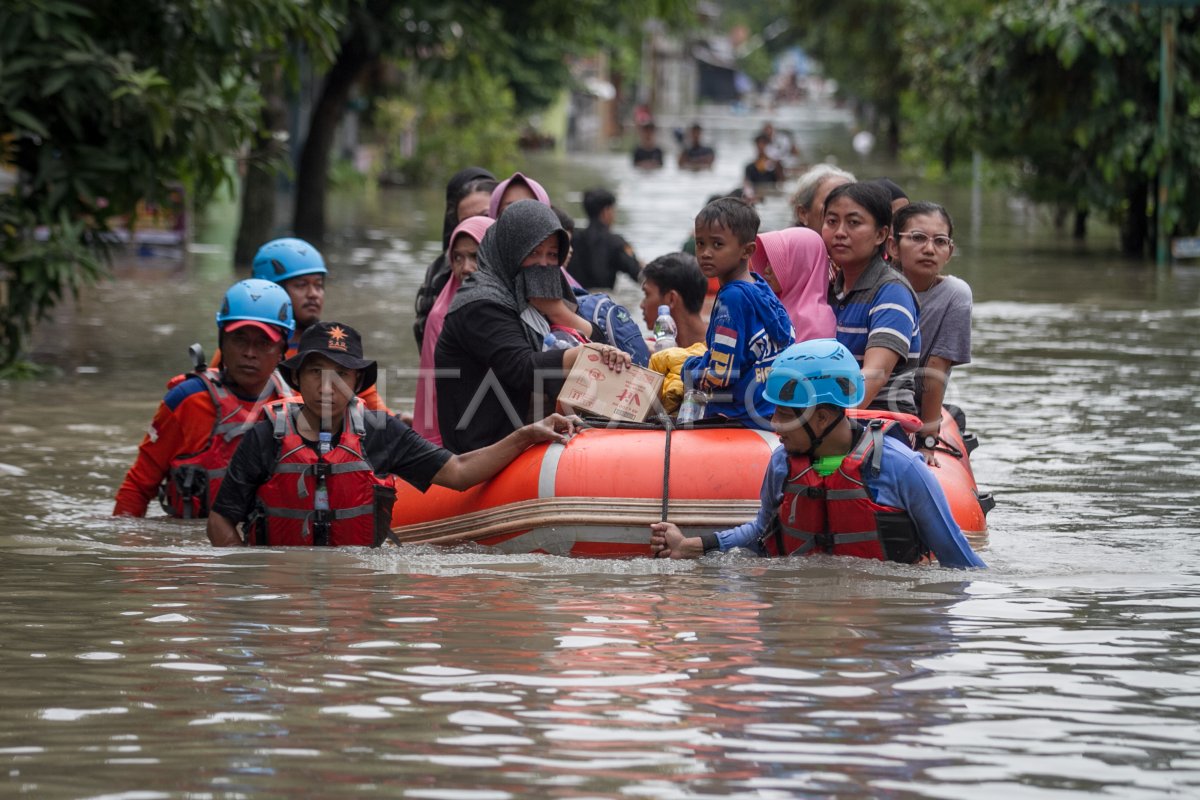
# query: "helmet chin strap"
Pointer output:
{"type": "Point", "coordinates": [815, 438]}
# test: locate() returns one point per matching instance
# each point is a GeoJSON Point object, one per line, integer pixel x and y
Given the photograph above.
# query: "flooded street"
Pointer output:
{"type": "Point", "coordinates": [138, 663]}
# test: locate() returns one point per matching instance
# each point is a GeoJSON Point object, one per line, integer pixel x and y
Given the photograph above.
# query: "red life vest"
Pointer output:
{"type": "Point", "coordinates": [835, 513]}
{"type": "Point", "coordinates": [360, 501]}
{"type": "Point", "coordinates": [194, 478]}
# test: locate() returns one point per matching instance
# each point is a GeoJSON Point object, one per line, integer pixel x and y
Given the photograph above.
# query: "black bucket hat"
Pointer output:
{"type": "Point", "coordinates": [339, 343]}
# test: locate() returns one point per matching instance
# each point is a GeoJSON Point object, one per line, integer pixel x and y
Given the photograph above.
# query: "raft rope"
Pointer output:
{"type": "Point", "coordinates": [665, 423]}
{"type": "Point", "coordinates": [668, 425]}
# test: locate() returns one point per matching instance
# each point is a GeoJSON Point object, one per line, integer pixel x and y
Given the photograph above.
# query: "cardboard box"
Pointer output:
{"type": "Point", "coordinates": [594, 389]}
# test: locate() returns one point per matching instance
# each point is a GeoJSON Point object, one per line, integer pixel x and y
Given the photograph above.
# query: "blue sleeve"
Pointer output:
{"type": "Point", "coordinates": [182, 391]}
{"type": "Point", "coordinates": [748, 533]}
{"type": "Point", "coordinates": [892, 321]}
{"type": "Point", "coordinates": [906, 482]}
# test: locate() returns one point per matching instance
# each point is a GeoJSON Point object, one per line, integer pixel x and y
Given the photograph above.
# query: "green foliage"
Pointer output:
{"type": "Point", "coordinates": [468, 118]}
{"type": "Point", "coordinates": [772, 29]}
{"type": "Point", "coordinates": [858, 45]}
{"type": "Point", "coordinates": [107, 103]}
{"type": "Point", "coordinates": [1068, 93]}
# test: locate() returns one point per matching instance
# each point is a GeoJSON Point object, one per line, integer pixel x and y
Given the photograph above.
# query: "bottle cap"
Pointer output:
{"type": "Point", "coordinates": [664, 310]}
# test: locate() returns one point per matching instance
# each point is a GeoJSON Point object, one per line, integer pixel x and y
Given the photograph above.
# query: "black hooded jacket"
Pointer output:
{"type": "Point", "coordinates": [492, 376]}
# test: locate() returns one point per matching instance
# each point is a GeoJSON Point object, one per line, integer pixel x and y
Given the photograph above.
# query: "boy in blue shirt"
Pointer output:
{"type": "Point", "coordinates": [748, 326]}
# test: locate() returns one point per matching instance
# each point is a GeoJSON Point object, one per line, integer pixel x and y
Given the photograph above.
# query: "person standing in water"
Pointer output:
{"type": "Point", "coordinates": [200, 421]}
{"type": "Point", "coordinates": [835, 486]}
{"type": "Point", "coordinates": [319, 472]}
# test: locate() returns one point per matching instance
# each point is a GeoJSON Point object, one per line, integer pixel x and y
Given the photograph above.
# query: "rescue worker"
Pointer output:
{"type": "Point", "coordinates": [835, 486]}
{"type": "Point", "coordinates": [298, 267]}
{"type": "Point", "coordinates": [313, 472]}
{"type": "Point", "coordinates": [204, 414]}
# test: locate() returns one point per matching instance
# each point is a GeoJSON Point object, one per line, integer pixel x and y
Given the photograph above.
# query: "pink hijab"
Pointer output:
{"type": "Point", "coordinates": [425, 420]}
{"type": "Point", "coordinates": [801, 265]}
{"type": "Point", "coordinates": [540, 193]}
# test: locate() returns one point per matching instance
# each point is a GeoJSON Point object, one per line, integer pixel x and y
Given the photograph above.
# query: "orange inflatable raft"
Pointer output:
{"type": "Point", "coordinates": [596, 496]}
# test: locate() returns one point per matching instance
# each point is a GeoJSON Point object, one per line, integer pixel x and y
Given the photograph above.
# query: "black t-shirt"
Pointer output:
{"type": "Point", "coordinates": [487, 372]}
{"type": "Point", "coordinates": [598, 255]}
{"type": "Point", "coordinates": [644, 154]}
{"type": "Point", "coordinates": [389, 445]}
{"type": "Point", "coordinates": [698, 155]}
{"type": "Point", "coordinates": [765, 171]}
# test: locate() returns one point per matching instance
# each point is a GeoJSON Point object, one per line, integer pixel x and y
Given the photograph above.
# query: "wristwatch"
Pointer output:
{"type": "Point", "coordinates": [929, 442]}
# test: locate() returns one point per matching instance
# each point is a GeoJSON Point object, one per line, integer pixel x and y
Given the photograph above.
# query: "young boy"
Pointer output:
{"type": "Point", "coordinates": [748, 326]}
{"type": "Point", "coordinates": [675, 281]}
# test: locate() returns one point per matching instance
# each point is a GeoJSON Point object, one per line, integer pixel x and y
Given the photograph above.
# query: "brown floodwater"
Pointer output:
{"type": "Point", "coordinates": [138, 663]}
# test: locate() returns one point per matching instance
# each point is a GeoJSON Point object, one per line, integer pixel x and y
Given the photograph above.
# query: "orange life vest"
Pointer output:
{"type": "Point", "coordinates": [194, 478]}
{"type": "Point", "coordinates": [835, 513]}
{"type": "Point", "coordinates": [360, 501]}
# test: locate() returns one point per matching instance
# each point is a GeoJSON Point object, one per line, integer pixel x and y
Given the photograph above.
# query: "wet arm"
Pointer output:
{"type": "Point", "coordinates": [163, 441]}
{"type": "Point", "coordinates": [878, 363]}
{"type": "Point", "coordinates": [222, 531]}
{"type": "Point", "coordinates": [922, 497]}
{"type": "Point", "coordinates": [748, 533]}
{"type": "Point", "coordinates": [468, 469]}
{"type": "Point", "coordinates": [559, 313]}
{"type": "Point", "coordinates": [934, 379]}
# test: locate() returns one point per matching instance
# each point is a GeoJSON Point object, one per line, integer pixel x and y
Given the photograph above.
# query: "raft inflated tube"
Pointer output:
{"type": "Point", "coordinates": [597, 495]}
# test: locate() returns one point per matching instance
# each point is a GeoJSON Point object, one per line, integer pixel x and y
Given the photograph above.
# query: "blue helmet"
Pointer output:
{"type": "Point", "coordinates": [282, 259]}
{"type": "Point", "coordinates": [259, 301]}
{"type": "Point", "coordinates": [815, 372]}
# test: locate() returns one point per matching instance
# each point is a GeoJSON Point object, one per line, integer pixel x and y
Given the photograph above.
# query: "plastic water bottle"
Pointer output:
{"type": "Point", "coordinates": [692, 408]}
{"type": "Point", "coordinates": [552, 342]}
{"type": "Point", "coordinates": [664, 329]}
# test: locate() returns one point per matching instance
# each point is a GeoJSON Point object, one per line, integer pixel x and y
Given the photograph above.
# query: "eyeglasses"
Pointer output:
{"type": "Point", "coordinates": [919, 238]}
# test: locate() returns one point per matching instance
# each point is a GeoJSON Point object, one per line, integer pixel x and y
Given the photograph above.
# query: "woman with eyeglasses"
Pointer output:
{"type": "Point", "coordinates": [876, 309]}
{"type": "Point", "coordinates": [921, 244]}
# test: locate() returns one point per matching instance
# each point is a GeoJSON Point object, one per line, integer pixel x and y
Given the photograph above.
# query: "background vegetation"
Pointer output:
{"type": "Point", "coordinates": [106, 103]}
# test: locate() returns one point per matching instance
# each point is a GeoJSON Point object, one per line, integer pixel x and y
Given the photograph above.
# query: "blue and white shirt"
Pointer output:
{"type": "Point", "coordinates": [881, 311]}
{"type": "Point", "coordinates": [748, 328]}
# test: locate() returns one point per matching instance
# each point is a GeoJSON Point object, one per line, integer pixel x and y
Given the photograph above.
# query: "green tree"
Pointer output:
{"type": "Point", "coordinates": [105, 103]}
{"type": "Point", "coordinates": [858, 45]}
{"type": "Point", "coordinates": [463, 118]}
{"type": "Point", "coordinates": [523, 43]}
{"type": "Point", "coordinates": [1068, 94]}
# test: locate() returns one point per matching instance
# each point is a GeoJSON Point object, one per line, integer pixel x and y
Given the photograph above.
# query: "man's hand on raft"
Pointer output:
{"type": "Point", "coordinates": [667, 541]}
{"type": "Point", "coordinates": [554, 428]}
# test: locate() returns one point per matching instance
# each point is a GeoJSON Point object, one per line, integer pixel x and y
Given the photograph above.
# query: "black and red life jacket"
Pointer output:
{"type": "Point", "coordinates": [194, 478]}
{"type": "Point", "coordinates": [360, 501]}
{"type": "Point", "coordinates": [835, 513]}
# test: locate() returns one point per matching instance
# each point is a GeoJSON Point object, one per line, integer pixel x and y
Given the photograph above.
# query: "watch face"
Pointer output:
{"type": "Point", "coordinates": [930, 442]}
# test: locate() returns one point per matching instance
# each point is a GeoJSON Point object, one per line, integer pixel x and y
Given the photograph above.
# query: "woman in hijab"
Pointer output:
{"type": "Point", "coordinates": [468, 194]}
{"type": "Point", "coordinates": [492, 370]}
{"type": "Point", "coordinates": [462, 256]}
{"type": "Point", "coordinates": [517, 187]}
{"type": "Point", "coordinates": [795, 264]}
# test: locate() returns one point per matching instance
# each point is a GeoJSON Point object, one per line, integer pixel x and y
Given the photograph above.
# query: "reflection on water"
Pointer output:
{"type": "Point", "coordinates": [140, 664]}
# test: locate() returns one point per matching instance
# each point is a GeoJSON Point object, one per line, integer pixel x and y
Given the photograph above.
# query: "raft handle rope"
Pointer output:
{"type": "Point", "coordinates": [665, 423]}
{"type": "Point", "coordinates": [666, 493]}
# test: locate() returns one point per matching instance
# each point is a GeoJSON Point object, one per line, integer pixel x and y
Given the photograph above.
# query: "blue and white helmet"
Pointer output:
{"type": "Point", "coordinates": [259, 301]}
{"type": "Point", "coordinates": [282, 259]}
{"type": "Point", "coordinates": [815, 372]}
